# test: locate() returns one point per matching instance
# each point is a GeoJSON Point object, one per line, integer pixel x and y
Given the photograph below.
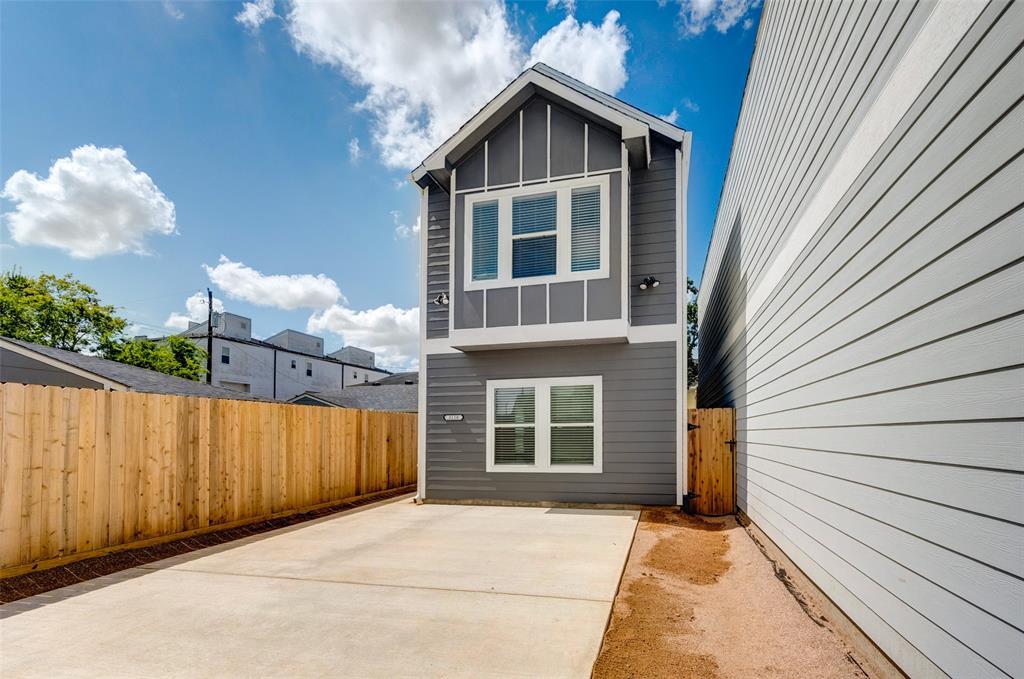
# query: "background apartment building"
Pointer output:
{"type": "Point", "coordinates": [283, 365]}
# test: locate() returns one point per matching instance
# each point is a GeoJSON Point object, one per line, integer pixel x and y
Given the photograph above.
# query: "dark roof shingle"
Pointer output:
{"type": "Point", "coordinates": [388, 397]}
{"type": "Point", "coordinates": [132, 377]}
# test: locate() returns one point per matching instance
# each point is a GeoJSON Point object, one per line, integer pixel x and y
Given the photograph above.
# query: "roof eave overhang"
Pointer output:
{"type": "Point", "coordinates": [635, 133]}
{"type": "Point", "coordinates": [63, 365]}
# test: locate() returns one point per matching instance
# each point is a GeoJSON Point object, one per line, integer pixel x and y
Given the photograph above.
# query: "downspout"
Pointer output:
{"type": "Point", "coordinates": [275, 374]}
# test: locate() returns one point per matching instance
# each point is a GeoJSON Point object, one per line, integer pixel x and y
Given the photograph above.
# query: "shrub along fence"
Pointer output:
{"type": "Point", "coordinates": [85, 472]}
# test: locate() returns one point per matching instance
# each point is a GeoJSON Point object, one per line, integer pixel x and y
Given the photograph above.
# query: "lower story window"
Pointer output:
{"type": "Point", "coordinates": [544, 425]}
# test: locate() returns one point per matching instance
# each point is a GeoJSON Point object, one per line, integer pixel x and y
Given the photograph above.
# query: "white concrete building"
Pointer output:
{"type": "Point", "coordinates": [283, 365]}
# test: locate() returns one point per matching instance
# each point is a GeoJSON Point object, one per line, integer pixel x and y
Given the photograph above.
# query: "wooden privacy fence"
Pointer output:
{"type": "Point", "coordinates": [85, 471]}
{"type": "Point", "coordinates": [711, 447]}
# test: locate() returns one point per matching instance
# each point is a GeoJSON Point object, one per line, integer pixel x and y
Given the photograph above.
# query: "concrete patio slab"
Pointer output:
{"type": "Point", "coordinates": [396, 590]}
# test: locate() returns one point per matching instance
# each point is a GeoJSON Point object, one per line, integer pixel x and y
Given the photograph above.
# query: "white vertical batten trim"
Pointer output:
{"type": "Point", "coordinates": [520, 147]}
{"type": "Point", "coordinates": [548, 142]}
{"type": "Point", "coordinates": [586, 148]}
{"type": "Point", "coordinates": [452, 233]}
{"type": "Point", "coordinates": [421, 391]}
{"type": "Point", "coordinates": [487, 161]}
{"type": "Point", "coordinates": [624, 233]}
{"type": "Point", "coordinates": [519, 305]}
{"type": "Point", "coordinates": [944, 28]}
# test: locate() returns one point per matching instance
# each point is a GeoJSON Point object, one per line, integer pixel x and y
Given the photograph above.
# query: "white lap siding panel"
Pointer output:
{"type": "Point", "coordinates": [874, 355]}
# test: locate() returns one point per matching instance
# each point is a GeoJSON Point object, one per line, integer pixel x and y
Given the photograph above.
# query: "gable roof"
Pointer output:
{"type": "Point", "coordinates": [388, 397]}
{"type": "Point", "coordinates": [634, 124]}
{"type": "Point", "coordinates": [660, 125]}
{"type": "Point", "coordinates": [119, 376]}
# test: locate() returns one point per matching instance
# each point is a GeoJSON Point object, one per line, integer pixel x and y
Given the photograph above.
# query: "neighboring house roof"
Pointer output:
{"type": "Point", "coordinates": [397, 378]}
{"type": "Point", "coordinates": [118, 376]}
{"type": "Point", "coordinates": [389, 397]}
{"type": "Point", "coordinates": [635, 124]}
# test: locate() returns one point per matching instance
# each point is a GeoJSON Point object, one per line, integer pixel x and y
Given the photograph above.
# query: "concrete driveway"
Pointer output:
{"type": "Point", "coordinates": [393, 590]}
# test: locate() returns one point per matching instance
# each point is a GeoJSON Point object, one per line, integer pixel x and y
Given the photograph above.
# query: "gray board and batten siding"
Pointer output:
{"type": "Point", "coordinates": [575, 141]}
{"type": "Point", "coordinates": [862, 308]}
{"type": "Point", "coordinates": [438, 261]}
{"type": "Point", "coordinates": [639, 419]}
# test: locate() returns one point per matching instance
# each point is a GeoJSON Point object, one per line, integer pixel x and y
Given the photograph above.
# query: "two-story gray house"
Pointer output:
{"type": "Point", "coordinates": [553, 288]}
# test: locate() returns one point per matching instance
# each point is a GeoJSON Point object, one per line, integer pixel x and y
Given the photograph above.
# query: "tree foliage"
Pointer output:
{"type": "Point", "coordinates": [691, 332]}
{"type": "Point", "coordinates": [59, 312]}
{"type": "Point", "coordinates": [173, 356]}
{"type": "Point", "coordinates": [63, 312]}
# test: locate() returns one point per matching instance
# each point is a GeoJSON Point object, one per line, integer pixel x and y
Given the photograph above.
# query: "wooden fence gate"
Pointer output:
{"type": "Point", "coordinates": [711, 447]}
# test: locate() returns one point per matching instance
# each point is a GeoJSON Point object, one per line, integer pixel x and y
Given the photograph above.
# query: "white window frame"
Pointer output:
{"type": "Point", "coordinates": [563, 232]}
{"type": "Point", "coordinates": [542, 425]}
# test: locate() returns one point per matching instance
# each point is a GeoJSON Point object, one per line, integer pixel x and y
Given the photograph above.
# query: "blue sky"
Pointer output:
{"type": "Point", "coordinates": [246, 126]}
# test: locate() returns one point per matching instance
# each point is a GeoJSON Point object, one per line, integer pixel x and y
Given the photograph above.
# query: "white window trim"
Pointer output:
{"type": "Point", "coordinates": [542, 425]}
{"type": "Point", "coordinates": [563, 233]}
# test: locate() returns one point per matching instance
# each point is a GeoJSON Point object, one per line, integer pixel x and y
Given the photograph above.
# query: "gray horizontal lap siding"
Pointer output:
{"type": "Point", "coordinates": [652, 242]}
{"type": "Point", "coordinates": [639, 390]}
{"type": "Point", "coordinates": [438, 260]}
{"type": "Point", "coordinates": [880, 422]}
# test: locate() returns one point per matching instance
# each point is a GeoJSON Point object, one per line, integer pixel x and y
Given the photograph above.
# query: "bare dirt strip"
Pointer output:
{"type": "Point", "coordinates": [698, 599]}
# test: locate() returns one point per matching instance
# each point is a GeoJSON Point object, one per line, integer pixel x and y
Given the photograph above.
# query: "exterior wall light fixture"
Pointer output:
{"type": "Point", "coordinates": [441, 299]}
{"type": "Point", "coordinates": [649, 282]}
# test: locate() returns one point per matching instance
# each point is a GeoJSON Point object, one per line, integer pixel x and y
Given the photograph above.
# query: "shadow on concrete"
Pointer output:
{"type": "Point", "coordinates": [33, 590]}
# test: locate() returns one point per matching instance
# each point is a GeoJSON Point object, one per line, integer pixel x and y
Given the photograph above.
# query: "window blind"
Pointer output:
{"type": "Point", "coordinates": [485, 241]}
{"type": "Point", "coordinates": [572, 424]}
{"type": "Point", "coordinates": [514, 425]}
{"type": "Point", "coordinates": [586, 228]}
{"type": "Point", "coordinates": [534, 256]}
{"type": "Point", "coordinates": [534, 214]}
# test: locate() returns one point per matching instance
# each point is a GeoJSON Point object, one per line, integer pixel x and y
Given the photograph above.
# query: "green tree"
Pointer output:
{"type": "Point", "coordinates": [65, 313]}
{"type": "Point", "coordinates": [59, 312]}
{"type": "Point", "coordinates": [691, 332]}
{"type": "Point", "coordinates": [172, 356]}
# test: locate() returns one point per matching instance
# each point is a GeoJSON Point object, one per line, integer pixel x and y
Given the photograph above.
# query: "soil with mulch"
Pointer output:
{"type": "Point", "coordinates": [698, 599]}
{"type": "Point", "coordinates": [38, 582]}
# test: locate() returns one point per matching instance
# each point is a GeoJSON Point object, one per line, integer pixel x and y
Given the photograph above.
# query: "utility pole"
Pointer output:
{"type": "Point", "coordinates": [209, 336]}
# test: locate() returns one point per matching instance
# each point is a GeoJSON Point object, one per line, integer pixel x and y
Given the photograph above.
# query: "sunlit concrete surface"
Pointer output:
{"type": "Point", "coordinates": [395, 590]}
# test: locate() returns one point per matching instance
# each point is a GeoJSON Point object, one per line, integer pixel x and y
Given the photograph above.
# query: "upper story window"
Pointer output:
{"type": "Point", "coordinates": [293, 364]}
{"type": "Point", "coordinates": [309, 368]}
{"type": "Point", "coordinates": [225, 355]}
{"type": "Point", "coordinates": [535, 234]}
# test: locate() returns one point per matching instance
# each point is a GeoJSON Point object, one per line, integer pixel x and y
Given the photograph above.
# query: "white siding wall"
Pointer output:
{"type": "Point", "coordinates": [862, 309]}
{"type": "Point", "coordinates": [253, 365]}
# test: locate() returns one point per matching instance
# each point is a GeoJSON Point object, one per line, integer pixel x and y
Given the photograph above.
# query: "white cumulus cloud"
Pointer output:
{"type": "Point", "coordinates": [593, 54]}
{"type": "Point", "coordinates": [570, 5]}
{"type": "Point", "coordinates": [354, 152]}
{"type": "Point", "coordinates": [255, 14]}
{"type": "Point", "coordinates": [403, 230]}
{"type": "Point", "coordinates": [414, 102]}
{"type": "Point", "coordinates": [288, 292]}
{"type": "Point", "coordinates": [388, 331]}
{"type": "Point", "coordinates": [671, 118]}
{"type": "Point", "coordinates": [92, 203]}
{"type": "Point", "coordinates": [696, 16]}
{"type": "Point", "coordinates": [195, 311]}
